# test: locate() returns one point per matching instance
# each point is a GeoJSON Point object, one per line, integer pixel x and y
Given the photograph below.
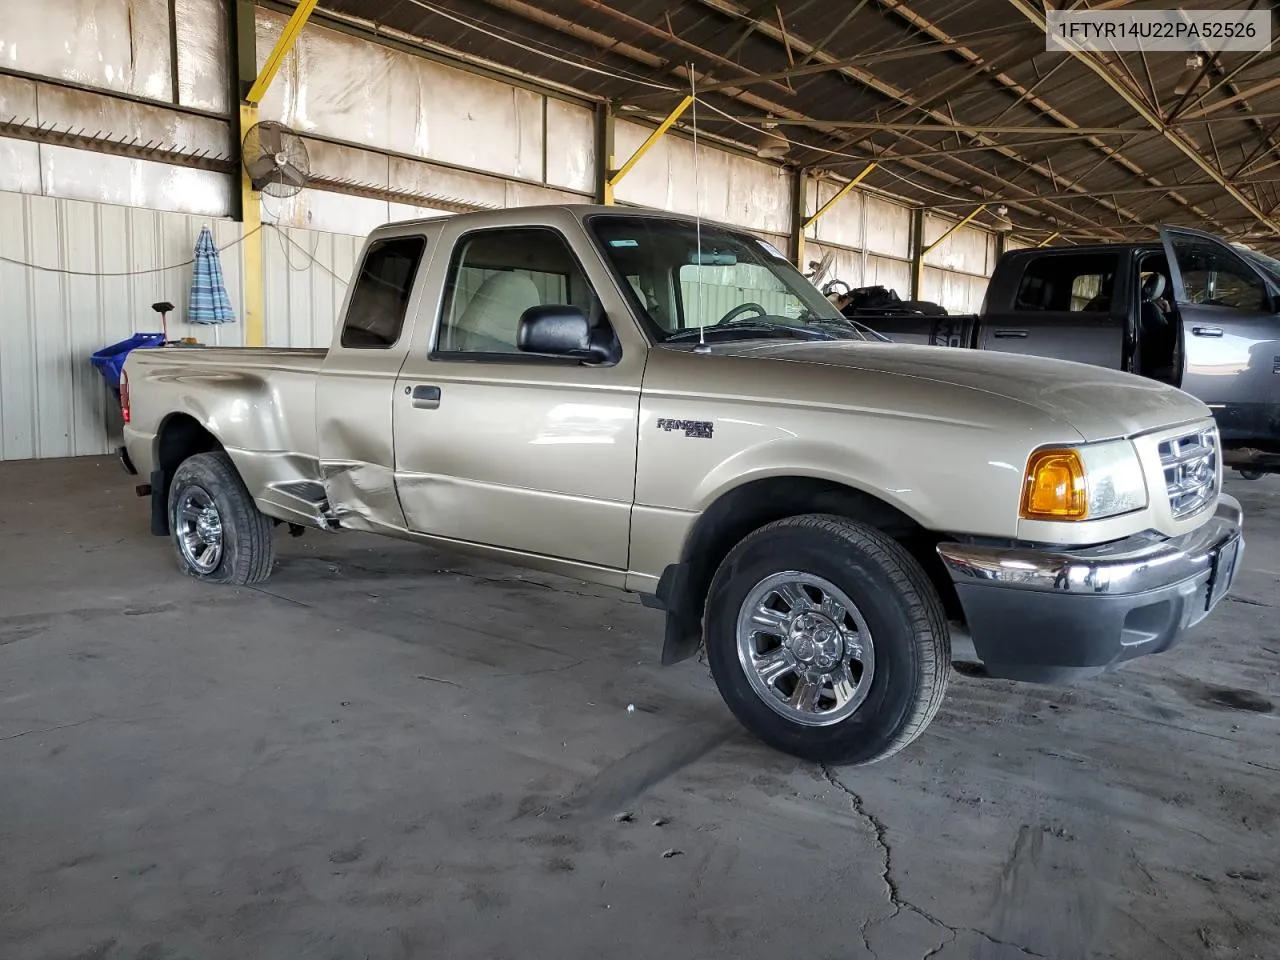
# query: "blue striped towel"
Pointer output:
{"type": "Point", "coordinates": [208, 302]}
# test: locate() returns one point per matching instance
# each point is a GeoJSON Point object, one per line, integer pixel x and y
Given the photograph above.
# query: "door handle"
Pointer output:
{"type": "Point", "coordinates": [426, 398]}
{"type": "Point", "coordinates": [1010, 334]}
{"type": "Point", "coordinates": [1207, 331]}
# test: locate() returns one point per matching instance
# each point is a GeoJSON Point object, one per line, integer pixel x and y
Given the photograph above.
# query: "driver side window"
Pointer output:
{"type": "Point", "coordinates": [495, 276]}
{"type": "Point", "coordinates": [1215, 278]}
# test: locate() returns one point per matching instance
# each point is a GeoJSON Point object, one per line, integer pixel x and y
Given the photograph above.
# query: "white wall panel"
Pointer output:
{"type": "Point", "coordinates": [571, 146]}
{"type": "Point", "coordinates": [888, 227]}
{"type": "Point", "coordinates": [328, 212]}
{"type": "Point", "coordinates": [52, 402]}
{"type": "Point", "coordinates": [19, 159]}
{"type": "Point", "coordinates": [362, 92]}
{"type": "Point", "coordinates": [120, 45]}
{"type": "Point", "coordinates": [889, 273]}
{"type": "Point", "coordinates": [19, 166]}
{"type": "Point", "coordinates": [530, 195]}
{"type": "Point", "coordinates": [967, 250]}
{"type": "Point", "coordinates": [202, 54]}
{"type": "Point", "coordinates": [958, 292]}
{"type": "Point", "coordinates": [844, 223]}
{"type": "Point", "coordinates": [302, 290]}
{"type": "Point", "coordinates": [731, 188]}
{"type": "Point", "coordinates": [415, 177]}
{"type": "Point", "coordinates": [78, 174]}
{"type": "Point", "coordinates": [18, 99]}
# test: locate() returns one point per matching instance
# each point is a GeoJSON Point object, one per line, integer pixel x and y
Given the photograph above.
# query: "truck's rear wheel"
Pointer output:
{"type": "Point", "coordinates": [219, 535]}
{"type": "Point", "coordinates": [827, 640]}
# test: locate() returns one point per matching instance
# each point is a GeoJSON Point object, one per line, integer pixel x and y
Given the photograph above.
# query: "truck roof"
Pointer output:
{"type": "Point", "coordinates": [550, 213]}
{"type": "Point", "coordinates": [1089, 248]}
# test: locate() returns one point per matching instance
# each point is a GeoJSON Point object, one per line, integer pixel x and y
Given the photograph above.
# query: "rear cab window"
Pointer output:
{"type": "Point", "coordinates": [376, 312]}
{"type": "Point", "coordinates": [1068, 283]}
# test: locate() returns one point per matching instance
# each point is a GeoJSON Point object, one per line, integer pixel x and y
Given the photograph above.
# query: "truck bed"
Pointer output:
{"type": "Point", "coordinates": [268, 394]}
{"type": "Point", "coordinates": [931, 331]}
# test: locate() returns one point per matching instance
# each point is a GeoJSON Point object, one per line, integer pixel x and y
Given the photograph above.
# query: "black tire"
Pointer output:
{"type": "Point", "coordinates": [1251, 474]}
{"type": "Point", "coordinates": [912, 644]}
{"type": "Point", "coordinates": [247, 544]}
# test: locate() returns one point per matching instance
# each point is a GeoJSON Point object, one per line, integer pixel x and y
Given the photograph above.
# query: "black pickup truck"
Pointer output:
{"type": "Point", "coordinates": [1191, 310]}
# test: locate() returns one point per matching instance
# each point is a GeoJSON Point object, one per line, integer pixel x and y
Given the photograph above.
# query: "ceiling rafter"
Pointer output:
{"type": "Point", "coordinates": [1107, 74]}
{"type": "Point", "coordinates": [734, 9]}
{"type": "Point", "coordinates": [1010, 84]}
{"type": "Point", "coordinates": [921, 89]}
{"type": "Point", "coordinates": [778, 110]}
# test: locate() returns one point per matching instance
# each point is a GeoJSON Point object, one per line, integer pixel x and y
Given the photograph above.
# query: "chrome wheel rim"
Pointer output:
{"type": "Point", "coordinates": [805, 648]}
{"type": "Point", "coordinates": [199, 530]}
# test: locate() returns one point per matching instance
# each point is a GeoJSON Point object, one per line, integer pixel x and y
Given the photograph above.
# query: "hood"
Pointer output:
{"type": "Point", "coordinates": [1099, 403]}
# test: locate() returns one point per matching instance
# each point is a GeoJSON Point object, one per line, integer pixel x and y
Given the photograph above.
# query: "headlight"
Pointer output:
{"type": "Point", "coordinates": [1088, 482]}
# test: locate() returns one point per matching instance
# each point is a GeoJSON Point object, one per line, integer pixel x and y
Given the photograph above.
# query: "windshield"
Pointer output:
{"type": "Point", "coordinates": [1268, 265]}
{"type": "Point", "coordinates": [734, 286]}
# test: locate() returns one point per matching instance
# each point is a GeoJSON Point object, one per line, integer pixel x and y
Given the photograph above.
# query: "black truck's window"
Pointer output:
{"type": "Point", "coordinates": [1068, 283]}
{"type": "Point", "coordinates": [497, 275]}
{"type": "Point", "coordinates": [376, 314]}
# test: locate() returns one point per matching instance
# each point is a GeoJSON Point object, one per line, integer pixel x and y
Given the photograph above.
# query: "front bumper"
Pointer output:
{"type": "Point", "coordinates": [1048, 615]}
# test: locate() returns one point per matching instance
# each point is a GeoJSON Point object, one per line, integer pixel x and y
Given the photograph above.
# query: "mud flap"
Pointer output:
{"type": "Point", "coordinates": [159, 504]}
{"type": "Point", "coordinates": [684, 625]}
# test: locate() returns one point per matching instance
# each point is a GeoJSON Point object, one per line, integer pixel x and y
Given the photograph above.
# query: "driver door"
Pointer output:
{"type": "Point", "coordinates": [1231, 333]}
{"type": "Point", "coordinates": [530, 454]}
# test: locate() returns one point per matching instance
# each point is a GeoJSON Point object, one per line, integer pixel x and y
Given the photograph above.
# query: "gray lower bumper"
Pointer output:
{"type": "Point", "coordinates": [1049, 615]}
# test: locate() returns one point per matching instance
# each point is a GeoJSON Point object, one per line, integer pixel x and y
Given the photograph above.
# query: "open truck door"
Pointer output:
{"type": "Point", "coordinates": [1228, 308]}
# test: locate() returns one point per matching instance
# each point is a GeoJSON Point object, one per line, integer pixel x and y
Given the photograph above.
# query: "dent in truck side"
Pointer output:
{"type": "Point", "coordinates": [354, 390]}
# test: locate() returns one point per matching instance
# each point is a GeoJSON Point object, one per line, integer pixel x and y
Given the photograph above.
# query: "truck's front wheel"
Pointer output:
{"type": "Point", "coordinates": [219, 535]}
{"type": "Point", "coordinates": [827, 640]}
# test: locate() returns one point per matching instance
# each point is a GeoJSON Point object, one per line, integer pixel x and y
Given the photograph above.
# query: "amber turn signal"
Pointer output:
{"type": "Point", "coordinates": [1055, 486]}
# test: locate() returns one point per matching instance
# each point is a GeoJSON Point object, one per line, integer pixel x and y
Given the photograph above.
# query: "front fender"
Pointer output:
{"type": "Point", "coordinates": [861, 470]}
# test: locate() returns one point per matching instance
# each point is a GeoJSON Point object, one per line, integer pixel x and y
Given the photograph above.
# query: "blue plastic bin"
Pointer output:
{"type": "Point", "coordinates": [109, 361]}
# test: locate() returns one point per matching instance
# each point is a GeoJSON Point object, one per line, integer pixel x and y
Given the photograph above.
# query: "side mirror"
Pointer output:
{"type": "Point", "coordinates": [559, 330]}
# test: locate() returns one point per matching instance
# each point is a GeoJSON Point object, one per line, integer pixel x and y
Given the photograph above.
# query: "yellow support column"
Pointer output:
{"type": "Point", "coordinates": [251, 244]}
{"type": "Point", "coordinates": [251, 199]}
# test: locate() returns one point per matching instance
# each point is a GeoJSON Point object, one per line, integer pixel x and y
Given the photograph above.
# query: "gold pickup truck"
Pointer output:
{"type": "Point", "coordinates": [668, 407]}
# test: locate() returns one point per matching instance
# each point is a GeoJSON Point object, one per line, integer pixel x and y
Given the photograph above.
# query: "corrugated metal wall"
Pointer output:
{"type": "Point", "coordinates": [52, 402]}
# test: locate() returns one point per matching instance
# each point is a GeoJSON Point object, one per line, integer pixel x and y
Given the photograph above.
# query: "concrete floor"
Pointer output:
{"type": "Point", "coordinates": [391, 753]}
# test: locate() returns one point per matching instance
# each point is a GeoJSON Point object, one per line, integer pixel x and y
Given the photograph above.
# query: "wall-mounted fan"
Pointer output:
{"type": "Point", "coordinates": [819, 269]}
{"type": "Point", "coordinates": [276, 159]}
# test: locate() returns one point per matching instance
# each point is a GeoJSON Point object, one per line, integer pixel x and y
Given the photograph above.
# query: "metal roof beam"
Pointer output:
{"type": "Point", "coordinates": [904, 12]}
{"type": "Point", "coordinates": [733, 8]}
{"type": "Point", "coordinates": [1106, 74]}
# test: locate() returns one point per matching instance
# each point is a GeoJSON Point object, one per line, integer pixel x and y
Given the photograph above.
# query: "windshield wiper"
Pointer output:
{"type": "Point", "coordinates": [752, 326]}
{"type": "Point", "coordinates": [861, 329]}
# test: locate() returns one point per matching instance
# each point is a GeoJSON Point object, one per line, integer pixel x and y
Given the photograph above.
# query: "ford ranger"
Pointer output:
{"type": "Point", "coordinates": [668, 407]}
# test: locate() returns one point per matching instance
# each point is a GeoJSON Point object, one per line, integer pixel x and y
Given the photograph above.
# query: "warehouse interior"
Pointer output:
{"type": "Point", "coordinates": [393, 751]}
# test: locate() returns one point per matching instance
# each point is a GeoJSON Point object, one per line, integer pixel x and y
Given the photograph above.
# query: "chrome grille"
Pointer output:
{"type": "Point", "coordinates": [1190, 465]}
